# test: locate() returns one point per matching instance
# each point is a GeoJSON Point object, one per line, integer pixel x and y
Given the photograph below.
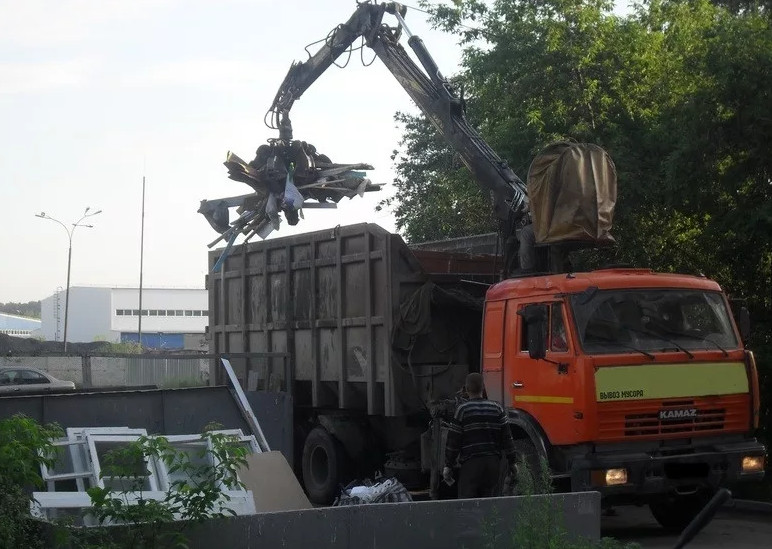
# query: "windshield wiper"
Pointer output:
{"type": "Point", "coordinates": [610, 341]}
{"type": "Point", "coordinates": [639, 331]}
{"type": "Point", "coordinates": [659, 336]}
{"type": "Point", "coordinates": [694, 336]}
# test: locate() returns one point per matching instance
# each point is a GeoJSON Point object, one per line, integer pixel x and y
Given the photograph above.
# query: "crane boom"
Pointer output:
{"type": "Point", "coordinates": [427, 88]}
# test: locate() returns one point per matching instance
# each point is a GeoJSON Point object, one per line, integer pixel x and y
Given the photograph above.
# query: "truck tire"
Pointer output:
{"type": "Point", "coordinates": [526, 452]}
{"type": "Point", "coordinates": [674, 513]}
{"type": "Point", "coordinates": [323, 466]}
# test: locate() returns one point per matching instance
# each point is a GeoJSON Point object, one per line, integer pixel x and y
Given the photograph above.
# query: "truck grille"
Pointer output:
{"type": "Point", "coordinates": [649, 419]}
{"type": "Point", "coordinates": [651, 424]}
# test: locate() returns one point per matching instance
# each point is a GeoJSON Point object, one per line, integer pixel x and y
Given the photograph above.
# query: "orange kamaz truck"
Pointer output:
{"type": "Point", "coordinates": [633, 383]}
{"type": "Point", "coordinates": [627, 381]}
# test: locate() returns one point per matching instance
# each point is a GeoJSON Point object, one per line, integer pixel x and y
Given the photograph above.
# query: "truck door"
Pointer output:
{"type": "Point", "coordinates": [541, 387]}
{"type": "Point", "coordinates": [493, 350]}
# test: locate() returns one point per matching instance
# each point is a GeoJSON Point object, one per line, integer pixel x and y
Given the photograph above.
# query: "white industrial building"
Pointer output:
{"type": "Point", "coordinates": [18, 326]}
{"type": "Point", "coordinates": [172, 318]}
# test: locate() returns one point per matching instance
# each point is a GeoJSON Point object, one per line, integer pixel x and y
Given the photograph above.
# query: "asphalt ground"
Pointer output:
{"type": "Point", "coordinates": [737, 526]}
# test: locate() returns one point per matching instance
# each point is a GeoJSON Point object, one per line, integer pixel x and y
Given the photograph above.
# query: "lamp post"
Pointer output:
{"type": "Point", "coordinates": [70, 232]}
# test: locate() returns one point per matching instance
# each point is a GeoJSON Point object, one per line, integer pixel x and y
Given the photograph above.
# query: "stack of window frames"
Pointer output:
{"type": "Point", "coordinates": [78, 467]}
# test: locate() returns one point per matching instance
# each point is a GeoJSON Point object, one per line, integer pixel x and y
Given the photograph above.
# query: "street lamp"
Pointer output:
{"type": "Point", "coordinates": [70, 232]}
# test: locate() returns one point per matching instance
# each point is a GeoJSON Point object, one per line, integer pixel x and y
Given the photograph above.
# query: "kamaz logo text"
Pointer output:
{"type": "Point", "coordinates": [689, 413]}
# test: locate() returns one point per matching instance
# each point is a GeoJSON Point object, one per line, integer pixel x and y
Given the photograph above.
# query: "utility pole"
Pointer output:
{"type": "Point", "coordinates": [70, 232]}
{"type": "Point", "coordinates": [141, 262]}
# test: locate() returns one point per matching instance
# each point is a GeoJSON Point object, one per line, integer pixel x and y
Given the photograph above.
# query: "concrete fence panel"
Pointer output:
{"type": "Point", "coordinates": [68, 368]}
{"type": "Point", "coordinates": [118, 371]}
{"type": "Point", "coordinates": [442, 524]}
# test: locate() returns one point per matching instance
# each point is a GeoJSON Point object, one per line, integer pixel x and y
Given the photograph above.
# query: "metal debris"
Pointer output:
{"type": "Point", "coordinates": [284, 175]}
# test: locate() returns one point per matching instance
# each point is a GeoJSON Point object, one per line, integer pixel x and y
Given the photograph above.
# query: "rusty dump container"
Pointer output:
{"type": "Point", "coordinates": [368, 324]}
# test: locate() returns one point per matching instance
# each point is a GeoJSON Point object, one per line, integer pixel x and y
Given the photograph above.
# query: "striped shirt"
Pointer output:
{"type": "Point", "coordinates": [479, 428]}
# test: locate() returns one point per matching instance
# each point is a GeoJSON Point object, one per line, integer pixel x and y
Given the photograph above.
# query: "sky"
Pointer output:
{"type": "Point", "coordinates": [96, 94]}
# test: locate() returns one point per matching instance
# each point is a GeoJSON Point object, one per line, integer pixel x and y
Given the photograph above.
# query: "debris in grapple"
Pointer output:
{"type": "Point", "coordinates": [284, 175]}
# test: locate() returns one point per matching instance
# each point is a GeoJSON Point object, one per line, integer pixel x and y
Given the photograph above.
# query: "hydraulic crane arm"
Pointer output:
{"type": "Point", "coordinates": [428, 89]}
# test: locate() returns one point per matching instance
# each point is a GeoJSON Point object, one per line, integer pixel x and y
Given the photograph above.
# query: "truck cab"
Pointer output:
{"type": "Point", "coordinates": [629, 382]}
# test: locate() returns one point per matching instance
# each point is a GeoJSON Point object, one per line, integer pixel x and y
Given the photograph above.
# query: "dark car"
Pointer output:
{"type": "Point", "coordinates": [30, 380]}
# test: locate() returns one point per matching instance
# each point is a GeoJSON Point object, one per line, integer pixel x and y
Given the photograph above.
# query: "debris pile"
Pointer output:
{"type": "Point", "coordinates": [27, 346]}
{"type": "Point", "coordinates": [383, 491]}
{"type": "Point", "coordinates": [284, 175]}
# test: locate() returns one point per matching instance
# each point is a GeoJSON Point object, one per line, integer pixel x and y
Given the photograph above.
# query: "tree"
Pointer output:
{"type": "Point", "coordinates": [435, 197]}
{"type": "Point", "coordinates": [677, 92]}
{"type": "Point", "coordinates": [30, 309]}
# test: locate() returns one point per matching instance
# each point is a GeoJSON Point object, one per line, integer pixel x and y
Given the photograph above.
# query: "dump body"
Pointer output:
{"type": "Point", "coordinates": [349, 305]}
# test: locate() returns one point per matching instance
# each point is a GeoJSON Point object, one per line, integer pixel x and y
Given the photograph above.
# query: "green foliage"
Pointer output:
{"type": "Point", "coordinates": [127, 347]}
{"type": "Point", "coordinates": [24, 446]}
{"type": "Point", "coordinates": [538, 523]}
{"type": "Point", "coordinates": [434, 199]}
{"type": "Point", "coordinates": [31, 309]}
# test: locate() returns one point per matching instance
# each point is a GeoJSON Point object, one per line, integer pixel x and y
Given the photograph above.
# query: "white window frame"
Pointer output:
{"type": "Point", "coordinates": [92, 441]}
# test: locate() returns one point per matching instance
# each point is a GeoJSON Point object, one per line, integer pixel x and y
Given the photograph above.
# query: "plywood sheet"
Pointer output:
{"type": "Point", "coordinates": [273, 484]}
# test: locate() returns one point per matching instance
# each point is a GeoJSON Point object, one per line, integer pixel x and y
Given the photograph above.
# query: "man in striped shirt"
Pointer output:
{"type": "Point", "coordinates": [478, 435]}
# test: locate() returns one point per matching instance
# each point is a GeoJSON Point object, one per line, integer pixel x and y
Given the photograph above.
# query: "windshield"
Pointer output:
{"type": "Point", "coordinates": [644, 321]}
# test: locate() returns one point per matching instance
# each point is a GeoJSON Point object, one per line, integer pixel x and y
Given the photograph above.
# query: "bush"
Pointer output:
{"type": "Point", "coordinates": [539, 522]}
{"type": "Point", "coordinates": [24, 446]}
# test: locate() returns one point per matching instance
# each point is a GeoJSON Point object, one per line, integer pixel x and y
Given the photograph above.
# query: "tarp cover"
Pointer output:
{"type": "Point", "coordinates": [572, 188]}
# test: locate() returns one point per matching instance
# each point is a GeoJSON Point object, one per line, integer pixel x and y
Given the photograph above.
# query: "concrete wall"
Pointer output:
{"type": "Point", "coordinates": [428, 524]}
{"type": "Point", "coordinates": [68, 368]}
{"type": "Point", "coordinates": [451, 524]}
{"type": "Point", "coordinates": [117, 371]}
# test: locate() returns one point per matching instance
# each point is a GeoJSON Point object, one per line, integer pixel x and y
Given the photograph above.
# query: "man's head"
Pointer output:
{"type": "Point", "coordinates": [474, 385]}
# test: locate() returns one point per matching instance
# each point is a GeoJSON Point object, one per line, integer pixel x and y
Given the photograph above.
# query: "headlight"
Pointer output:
{"type": "Point", "coordinates": [609, 477]}
{"type": "Point", "coordinates": [753, 464]}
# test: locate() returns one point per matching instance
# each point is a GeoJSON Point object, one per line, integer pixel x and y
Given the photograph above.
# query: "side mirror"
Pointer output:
{"type": "Point", "coordinates": [535, 320]}
{"type": "Point", "coordinates": [741, 317]}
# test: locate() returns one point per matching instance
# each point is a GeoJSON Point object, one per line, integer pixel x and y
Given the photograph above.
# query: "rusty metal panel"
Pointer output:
{"type": "Point", "coordinates": [331, 299]}
{"type": "Point", "coordinates": [455, 263]}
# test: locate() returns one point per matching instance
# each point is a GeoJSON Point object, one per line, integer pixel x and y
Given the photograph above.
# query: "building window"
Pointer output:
{"type": "Point", "coordinates": [144, 312]}
{"type": "Point", "coordinates": [119, 312]}
{"type": "Point", "coordinates": [153, 312]}
{"type": "Point", "coordinates": [196, 313]}
{"type": "Point", "coordinates": [178, 312]}
{"type": "Point", "coordinates": [188, 313]}
{"type": "Point", "coordinates": [162, 312]}
{"type": "Point", "coordinates": [204, 313]}
{"type": "Point", "coordinates": [135, 312]}
{"type": "Point", "coordinates": [169, 312]}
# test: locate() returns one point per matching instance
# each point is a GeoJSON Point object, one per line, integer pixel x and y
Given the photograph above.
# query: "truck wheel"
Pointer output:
{"type": "Point", "coordinates": [323, 466]}
{"type": "Point", "coordinates": [676, 512]}
{"type": "Point", "coordinates": [526, 452]}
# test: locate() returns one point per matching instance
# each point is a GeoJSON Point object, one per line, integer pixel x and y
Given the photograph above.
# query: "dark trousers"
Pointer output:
{"type": "Point", "coordinates": [479, 477]}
